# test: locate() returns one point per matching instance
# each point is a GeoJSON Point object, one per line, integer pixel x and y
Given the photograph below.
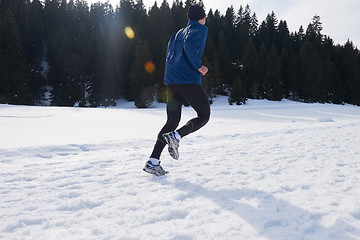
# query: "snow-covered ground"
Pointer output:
{"type": "Point", "coordinates": [266, 170]}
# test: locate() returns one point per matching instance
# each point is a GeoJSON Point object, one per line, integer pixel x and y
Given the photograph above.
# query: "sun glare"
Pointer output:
{"type": "Point", "coordinates": [149, 67]}
{"type": "Point", "coordinates": [129, 32]}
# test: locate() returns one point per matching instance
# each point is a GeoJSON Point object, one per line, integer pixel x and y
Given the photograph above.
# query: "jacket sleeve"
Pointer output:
{"type": "Point", "coordinates": [194, 46]}
{"type": "Point", "coordinates": [170, 48]}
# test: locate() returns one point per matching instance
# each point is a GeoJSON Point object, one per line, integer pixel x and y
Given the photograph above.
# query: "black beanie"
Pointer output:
{"type": "Point", "coordinates": [196, 12]}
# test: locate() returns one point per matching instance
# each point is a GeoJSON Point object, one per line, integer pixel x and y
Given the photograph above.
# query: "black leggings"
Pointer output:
{"type": "Point", "coordinates": [177, 95]}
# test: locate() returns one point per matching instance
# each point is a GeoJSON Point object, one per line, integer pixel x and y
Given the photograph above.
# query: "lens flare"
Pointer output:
{"type": "Point", "coordinates": [129, 32]}
{"type": "Point", "coordinates": [149, 67]}
{"type": "Point", "coordinates": [163, 95]}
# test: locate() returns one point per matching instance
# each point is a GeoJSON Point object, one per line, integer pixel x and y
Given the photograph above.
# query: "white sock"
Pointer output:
{"type": "Point", "coordinates": [177, 135]}
{"type": "Point", "coordinates": [154, 161]}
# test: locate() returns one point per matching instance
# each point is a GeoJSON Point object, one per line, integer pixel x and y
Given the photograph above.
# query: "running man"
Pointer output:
{"type": "Point", "coordinates": [183, 80]}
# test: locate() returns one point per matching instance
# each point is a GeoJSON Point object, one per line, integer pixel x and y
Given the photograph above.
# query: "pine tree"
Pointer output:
{"type": "Point", "coordinates": [283, 36]}
{"type": "Point", "coordinates": [259, 86]}
{"type": "Point", "coordinates": [179, 17]}
{"type": "Point", "coordinates": [163, 36]}
{"type": "Point", "coordinates": [2, 65]}
{"type": "Point", "coordinates": [313, 85]}
{"type": "Point", "coordinates": [98, 94]}
{"type": "Point", "coordinates": [142, 76]}
{"type": "Point", "coordinates": [53, 44]}
{"type": "Point", "coordinates": [209, 81]}
{"type": "Point", "coordinates": [228, 30]}
{"type": "Point", "coordinates": [298, 39]}
{"type": "Point", "coordinates": [268, 30]}
{"type": "Point", "coordinates": [34, 40]}
{"type": "Point", "coordinates": [224, 60]}
{"type": "Point", "coordinates": [251, 70]}
{"type": "Point", "coordinates": [273, 77]}
{"type": "Point", "coordinates": [335, 88]}
{"type": "Point", "coordinates": [285, 74]}
{"type": "Point", "coordinates": [313, 32]}
{"type": "Point", "coordinates": [238, 93]}
{"type": "Point", "coordinates": [96, 60]}
{"type": "Point", "coordinates": [349, 64]}
{"type": "Point", "coordinates": [13, 83]}
{"type": "Point", "coordinates": [253, 25]}
{"type": "Point", "coordinates": [213, 81]}
{"type": "Point", "coordinates": [295, 77]}
{"type": "Point", "coordinates": [113, 69]}
{"type": "Point", "coordinates": [243, 28]}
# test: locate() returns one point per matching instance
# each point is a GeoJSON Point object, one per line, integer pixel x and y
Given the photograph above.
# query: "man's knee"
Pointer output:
{"type": "Point", "coordinates": [205, 116]}
{"type": "Point", "coordinates": [205, 120]}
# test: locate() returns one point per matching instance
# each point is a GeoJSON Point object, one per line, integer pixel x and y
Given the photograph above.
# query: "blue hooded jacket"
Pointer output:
{"type": "Point", "coordinates": [184, 55]}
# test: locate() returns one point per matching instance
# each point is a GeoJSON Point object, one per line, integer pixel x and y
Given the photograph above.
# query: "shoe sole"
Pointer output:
{"type": "Point", "coordinates": [154, 172]}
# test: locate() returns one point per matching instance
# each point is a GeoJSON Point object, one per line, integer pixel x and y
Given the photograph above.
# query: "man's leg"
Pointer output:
{"type": "Point", "coordinates": [173, 111]}
{"type": "Point", "coordinates": [197, 98]}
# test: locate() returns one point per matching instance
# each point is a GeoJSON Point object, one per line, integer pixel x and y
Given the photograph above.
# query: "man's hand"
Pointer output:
{"type": "Point", "coordinates": [203, 70]}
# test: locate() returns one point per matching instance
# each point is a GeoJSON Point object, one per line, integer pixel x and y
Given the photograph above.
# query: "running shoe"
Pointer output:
{"type": "Point", "coordinates": [173, 144]}
{"type": "Point", "coordinates": [156, 170]}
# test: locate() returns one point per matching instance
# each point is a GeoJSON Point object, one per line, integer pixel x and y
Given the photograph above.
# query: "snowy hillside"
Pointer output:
{"type": "Point", "coordinates": [266, 170]}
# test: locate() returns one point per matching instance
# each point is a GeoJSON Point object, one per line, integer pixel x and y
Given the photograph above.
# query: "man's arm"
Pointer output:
{"type": "Point", "coordinates": [194, 47]}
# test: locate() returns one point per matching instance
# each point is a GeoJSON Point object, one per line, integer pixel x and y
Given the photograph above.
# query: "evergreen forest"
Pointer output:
{"type": "Point", "coordinates": [76, 54]}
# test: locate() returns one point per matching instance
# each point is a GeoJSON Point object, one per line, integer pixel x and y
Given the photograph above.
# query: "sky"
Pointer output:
{"type": "Point", "coordinates": [340, 19]}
